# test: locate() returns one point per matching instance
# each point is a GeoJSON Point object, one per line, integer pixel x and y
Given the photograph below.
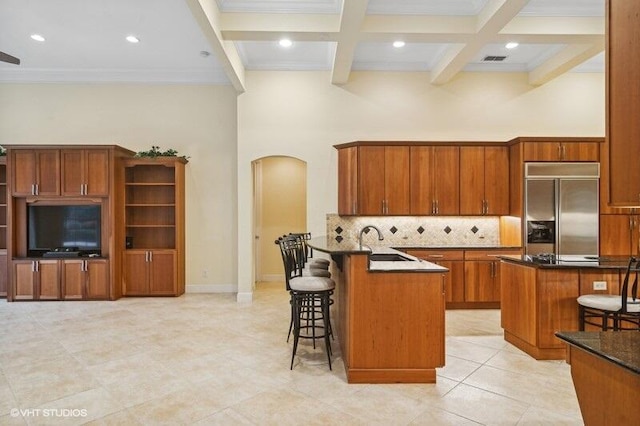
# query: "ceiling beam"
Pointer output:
{"type": "Point", "coordinates": [207, 15]}
{"type": "Point", "coordinates": [563, 61]}
{"type": "Point", "coordinates": [351, 19]}
{"type": "Point", "coordinates": [491, 20]}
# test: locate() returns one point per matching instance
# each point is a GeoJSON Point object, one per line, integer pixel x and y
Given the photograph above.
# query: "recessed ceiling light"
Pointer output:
{"type": "Point", "coordinates": [285, 42]}
{"type": "Point", "coordinates": [398, 43]}
{"type": "Point", "coordinates": [511, 45]}
{"type": "Point", "coordinates": [132, 39]}
{"type": "Point", "coordinates": [37, 37]}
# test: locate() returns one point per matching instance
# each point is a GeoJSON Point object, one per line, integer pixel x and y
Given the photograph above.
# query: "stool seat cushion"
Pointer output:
{"type": "Point", "coordinates": [608, 302]}
{"type": "Point", "coordinates": [312, 272]}
{"type": "Point", "coordinates": [320, 261]}
{"type": "Point", "coordinates": [312, 284]}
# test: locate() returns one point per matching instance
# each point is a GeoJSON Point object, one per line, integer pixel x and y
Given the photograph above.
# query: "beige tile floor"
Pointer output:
{"type": "Point", "coordinates": [207, 360]}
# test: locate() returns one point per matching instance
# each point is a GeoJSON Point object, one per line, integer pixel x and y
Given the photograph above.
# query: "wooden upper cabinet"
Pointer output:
{"type": "Point", "coordinates": [619, 234]}
{"type": "Point", "coordinates": [435, 180]}
{"type": "Point", "coordinates": [348, 181]}
{"type": "Point", "coordinates": [85, 172]}
{"type": "Point", "coordinates": [383, 180]}
{"type": "Point", "coordinates": [484, 180]}
{"type": "Point", "coordinates": [35, 172]}
{"type": "Point", "coordinates": [561, 151]}
{"type": "Point", "coordinates": [622, 70]}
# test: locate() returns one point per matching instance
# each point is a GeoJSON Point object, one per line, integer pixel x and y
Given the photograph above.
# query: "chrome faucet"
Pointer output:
{"type": "Point", "coordinates": [380, 237]}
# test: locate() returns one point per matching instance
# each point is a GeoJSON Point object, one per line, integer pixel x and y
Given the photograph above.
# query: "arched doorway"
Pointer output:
{"type": "Point", "coordinates": [280, 207]}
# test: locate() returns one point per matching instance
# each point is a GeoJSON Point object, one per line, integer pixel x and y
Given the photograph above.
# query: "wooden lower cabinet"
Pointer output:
{"type": "Point", "coordinates": [453, 260]}
{"type": "Point", "coordinates": [85, 279]}
{"type": "Point", "coordinates": [619, 234]}
{"type": "Point", "coordinates": [150, 273]}
{"type": "Point", "coordinates": [36, 280]}
{"type": "Point", "coordinates": [61, 279]}
{"type": "Point", "coordinates": [482, 276]}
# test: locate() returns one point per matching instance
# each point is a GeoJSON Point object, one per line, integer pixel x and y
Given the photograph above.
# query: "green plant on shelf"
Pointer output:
{"type": "Point", "coordinates": [3, 151]}
{"type": "Point", "coordinates": [155, 151]}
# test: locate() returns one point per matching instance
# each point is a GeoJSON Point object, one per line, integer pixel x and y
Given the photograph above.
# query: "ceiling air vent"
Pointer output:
{"type": "Point", "coordinates": [494, 58]}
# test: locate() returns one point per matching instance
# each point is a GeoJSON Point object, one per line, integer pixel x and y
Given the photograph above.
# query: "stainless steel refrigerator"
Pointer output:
{"type": "Point", "coordinates": [561, 208]}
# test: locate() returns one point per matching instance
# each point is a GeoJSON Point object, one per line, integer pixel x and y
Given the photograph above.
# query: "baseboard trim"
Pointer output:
{"type": "Point", "coordinates": [211, 288]}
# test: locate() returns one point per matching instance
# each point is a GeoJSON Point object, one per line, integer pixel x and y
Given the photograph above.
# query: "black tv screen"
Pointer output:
{"type": "Point", "coordinates": [63, 226]}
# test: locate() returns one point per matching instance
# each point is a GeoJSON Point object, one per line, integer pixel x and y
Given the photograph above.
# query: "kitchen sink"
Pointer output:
{"type": "Point", "coordinates": [388, 257]}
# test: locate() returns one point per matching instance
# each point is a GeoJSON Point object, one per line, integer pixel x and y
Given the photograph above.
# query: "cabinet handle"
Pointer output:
{"type": "Point", "coordinates": [560, 151]}
{"type": "Point", "coordinates": [37, 189]}
{"type": "Point", "coordinates": [433, 207]}
{"type": "Point", "coordinates": [146, 256]}
{"type": "Point", "coordinates": [35, 266]}
{"type": "Point", "coordinates": [436, 256]}
{"type": "Point", "coordinates": [631, 222]}
{"type": "Point", "coordinates": [150, 256]}
{"type": "Point", "coordinates": [564, 152]}
{"type": "Point", "coordinates": [353, 207]}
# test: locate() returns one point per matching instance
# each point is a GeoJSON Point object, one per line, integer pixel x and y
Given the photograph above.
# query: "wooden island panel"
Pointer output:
{"type": "Point", "coordinates": [391, 324]}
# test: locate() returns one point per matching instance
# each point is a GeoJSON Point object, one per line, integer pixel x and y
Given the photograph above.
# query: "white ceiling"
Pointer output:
{"type": "Point", "coordinates": [85, 39]}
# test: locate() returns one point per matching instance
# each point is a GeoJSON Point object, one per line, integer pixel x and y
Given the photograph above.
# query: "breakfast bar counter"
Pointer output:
{"type": "Point", "coordinates": [605, 367]}
{"type": "Point", "coordinates": [388, 314]}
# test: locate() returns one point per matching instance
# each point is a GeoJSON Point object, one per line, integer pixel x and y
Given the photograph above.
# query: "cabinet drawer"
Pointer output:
{"type": "Point", "coordinates": [489, 254]}
{"type": "Point", "coordinates": [436, 255]}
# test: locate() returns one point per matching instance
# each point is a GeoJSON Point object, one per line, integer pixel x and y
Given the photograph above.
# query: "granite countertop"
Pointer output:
{"type": "Point", "coordinates": [570, 262]}
{"type": "Point", "coordinates": [618, 347]}
{"type": "Point", "coordinates": [413, 264]}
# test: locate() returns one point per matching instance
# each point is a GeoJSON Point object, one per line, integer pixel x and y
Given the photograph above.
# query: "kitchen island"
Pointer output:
{"type": "Point", "coordinates": [389, 314]}
{"type": "Point", "coordinates": [539, 297]}
{"type": "Point", "coordinates": [605, 368]}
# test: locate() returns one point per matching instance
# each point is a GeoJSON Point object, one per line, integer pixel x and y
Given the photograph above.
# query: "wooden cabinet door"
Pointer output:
{"type": "Point", "coordinates": [48, 172]}
{"type": "Point", "coordinates": [542, 151]}
{"type": "Point", "coordinates": [97, 279]}
{"type": "Point", "coordinates": [397, 197]}
{"type": "Point", "coordinates": [24, 172]}
{"type": "Point", "coordinates": [421, 181]}
{"type": "Point", "coordinates": [480, 283]}
{"type": "Point", "coordinates": [96, 172]}
{"type": "Point", "coordinates": [580, 151]}
{"type": "Point", "coordinates": [496, 180]}
{"type": "Point", "coordinates": [371, 180]}
{"type": "Point", "coordinates": [48, 280]}
{"type": "Point", "coordinates": [446, 179]}
{"type": "Point", "coordinates": [471, 180]}
{"type": "Point", "coordinates": [73, 279]}
{"type": "Point", "coordinates": [348, 181]}
{"type": "Point", "coordinates": [24, 280]}
{"type": "Point", "coordinates": [85, 172]}
{"type": "Point", "coordinates": [623, 85]}
{"type": "Point", "coordinates": [136, 279]}
{"type": "Point", "coordinates": [72, 180]}
{"type": "Point", "coordinates": [435, 180]}
{"type": "Point", "coordinates": [616, 234]}
{"type": "Point", "coordinates": [454, 280]}
{"type": "Point", "coordinates": [162, 272]}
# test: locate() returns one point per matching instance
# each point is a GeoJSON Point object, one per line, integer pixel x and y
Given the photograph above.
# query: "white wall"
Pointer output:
{"type": "Point", "coordinates": [302, 115]}
{"type": "Point", "coordinates": [198, 121]}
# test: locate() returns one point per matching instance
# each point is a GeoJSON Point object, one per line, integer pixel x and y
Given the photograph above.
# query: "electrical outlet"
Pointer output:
{"type": "Point", "coordinates": [599, 285]}
{"type": "Point", "coordinates": [205, 273]}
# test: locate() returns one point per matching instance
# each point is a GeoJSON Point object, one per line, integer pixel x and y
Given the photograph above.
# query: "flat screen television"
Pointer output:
{"type": "Point", "coordinates": [71, 227]}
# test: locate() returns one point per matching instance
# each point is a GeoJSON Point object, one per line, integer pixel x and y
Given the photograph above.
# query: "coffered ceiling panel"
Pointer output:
{"type": "Point", "coordinates": [215, 41]}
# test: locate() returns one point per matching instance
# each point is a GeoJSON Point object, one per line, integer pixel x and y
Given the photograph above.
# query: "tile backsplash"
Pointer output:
{"type": "Point", "coordinates": [400, 231]}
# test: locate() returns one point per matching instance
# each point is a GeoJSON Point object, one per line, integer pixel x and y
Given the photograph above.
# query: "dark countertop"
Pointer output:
{"type": "Point", "coordinates": [571, 262]}
{"type": "Point", "coordinates": [619, 347]}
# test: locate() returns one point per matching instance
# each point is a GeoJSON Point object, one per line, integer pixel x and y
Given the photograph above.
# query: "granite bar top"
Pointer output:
{"type": "Point", "coordinates": [570, 262]}
{"type": "Point", "coordinates": [619, 347]}
{"type": "Point", "coordinates": [412, 264]}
